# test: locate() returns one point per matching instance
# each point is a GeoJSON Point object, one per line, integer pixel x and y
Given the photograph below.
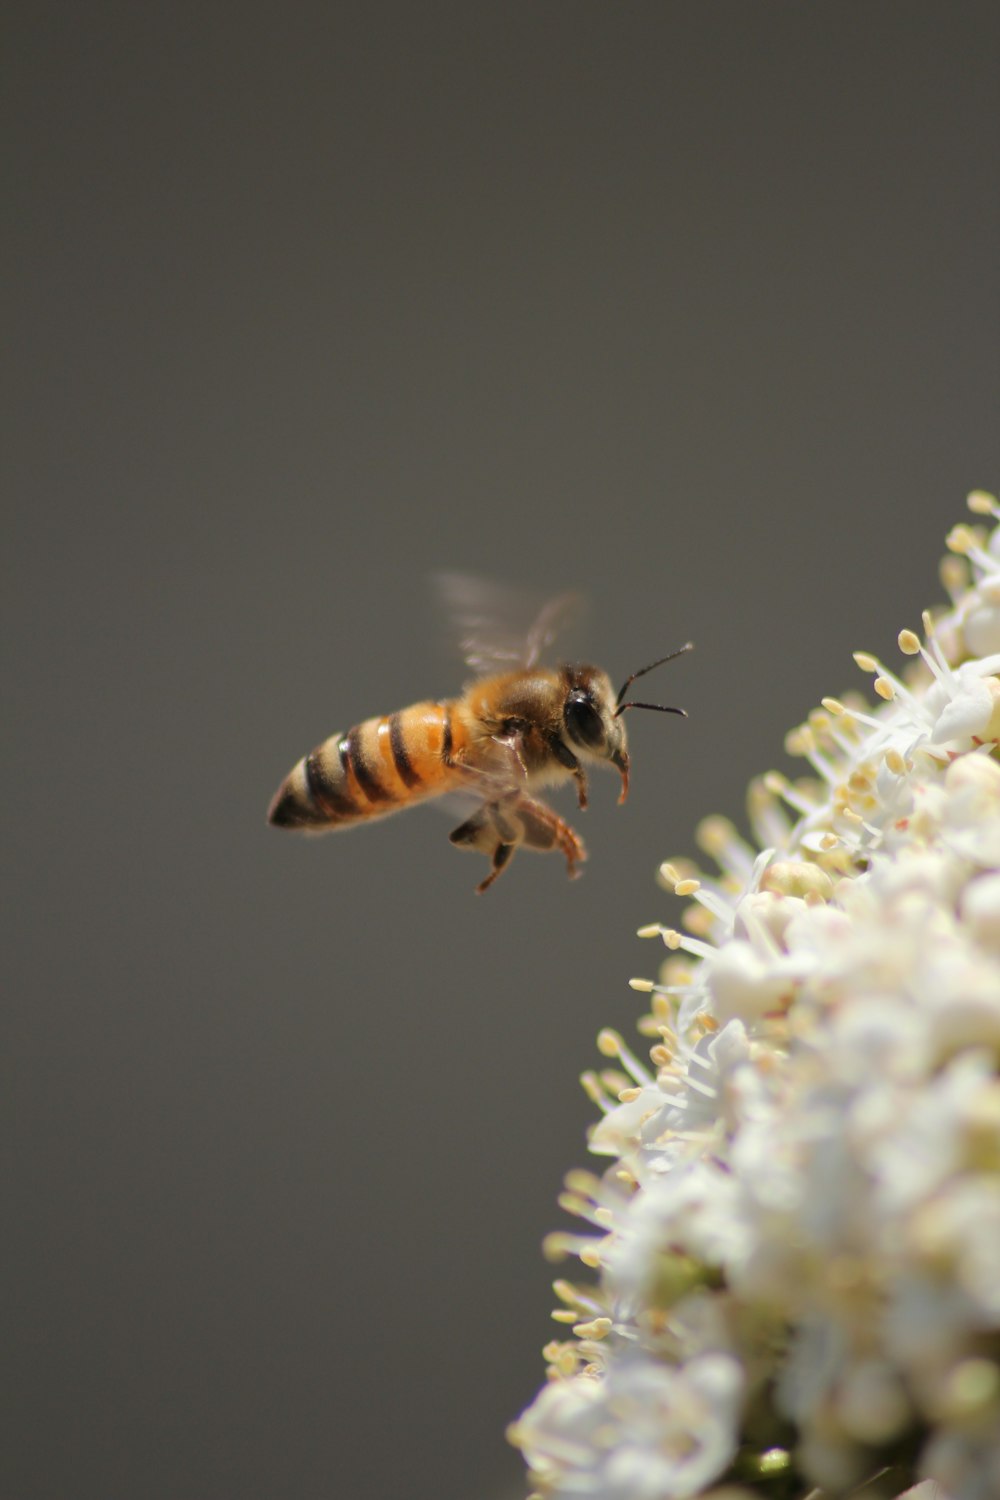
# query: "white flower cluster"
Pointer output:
{"type": "Point", "coordinates": [798, 1235]}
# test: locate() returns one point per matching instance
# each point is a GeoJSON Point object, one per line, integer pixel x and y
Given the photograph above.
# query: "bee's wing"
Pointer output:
{"type": "Point", "coordinates": [501, 628]}
{"type": "Point", "coordinates": [496, 777]}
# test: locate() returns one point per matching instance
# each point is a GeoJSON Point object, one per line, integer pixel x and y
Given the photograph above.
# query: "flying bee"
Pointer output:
{"type": "Point", "coordinates": [511, 732]}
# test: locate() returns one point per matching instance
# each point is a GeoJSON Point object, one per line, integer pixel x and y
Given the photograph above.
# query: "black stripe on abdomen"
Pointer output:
{"type": "Point", "coordinates": [446, 741]}
{"type": "Point", "coordinates": [352, 753]}
{"type": "Point", "coordinates": [401, 760]}
{"type": "Point", "coordinates": [329, 795]}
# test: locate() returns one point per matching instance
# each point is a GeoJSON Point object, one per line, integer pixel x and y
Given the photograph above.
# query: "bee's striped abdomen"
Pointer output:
{"type": "Point", "coordinates": [376, 768]}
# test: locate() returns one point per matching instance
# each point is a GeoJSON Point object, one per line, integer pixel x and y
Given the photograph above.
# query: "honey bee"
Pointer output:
{"type": "Point", "coordinates": [511, 732]}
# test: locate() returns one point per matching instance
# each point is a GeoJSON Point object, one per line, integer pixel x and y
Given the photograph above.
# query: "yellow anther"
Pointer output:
{"type": "Point", "coordinates": [981, 502]}
{"type": "Point", "coordinates": [954, 573]}
{"type": "Point", "coordinates": [651, 929]}
{"type": "Point", "coordinates": [714, 834]}
{"type": "Point", "coordinates": [909, 642]}
{"type": "Point", "coordinates": [609, 1042]}
{"type": "Point", "coordinates": [579, 1180]}
{"type": "Point", "coordinates": [597, 1328]}
{"type": "Point", "coordinates": [644, 986]}
{"type": "Point", "coordinates": [961, 539]}
{"type": "Point", "coordinates": [866, 662]}
{"type": "Point", "coordinates": [557, 1246]}
{"type": "Point", "coordinates": [698, 920]}
{"type": "Point", "coordinates": [687, 887]}
{"type": "Point", "coordinates": [884, 688]}
{"type": "Point", "coordinates": [833, 706]}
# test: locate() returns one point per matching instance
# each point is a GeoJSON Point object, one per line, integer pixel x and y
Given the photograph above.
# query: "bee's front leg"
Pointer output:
{"type": "Point", "coordinates": [565, 757]}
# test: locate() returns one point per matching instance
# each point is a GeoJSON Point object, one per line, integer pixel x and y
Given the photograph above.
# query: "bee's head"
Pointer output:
{"type": "Point", "coordinates": [592, 714]}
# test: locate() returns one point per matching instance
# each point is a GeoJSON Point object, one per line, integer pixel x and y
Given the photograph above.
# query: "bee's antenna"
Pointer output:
{"type": "Point", "coordinates": [662, 708]}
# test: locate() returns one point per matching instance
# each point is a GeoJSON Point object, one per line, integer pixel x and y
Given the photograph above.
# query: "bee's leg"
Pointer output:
{"type": "Point", "coordinates": [501, 856]}
{"type": "Point", "coordinates": [565, 757]}
{"type": "Point", "coordinates": [543, 829]}
{"type": "Point", "coordinates": [492, 832]}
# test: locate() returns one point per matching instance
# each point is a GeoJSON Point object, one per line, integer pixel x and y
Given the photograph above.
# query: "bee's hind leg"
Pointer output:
{"type": "Point", "coordinates": [489, 831]}
{"type": "Point", "coordinates": [497, 828]}
{"type": "Point", "coordinates": [501, 857]}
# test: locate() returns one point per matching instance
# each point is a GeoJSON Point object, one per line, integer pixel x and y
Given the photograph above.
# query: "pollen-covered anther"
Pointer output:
{"type": "Point", "coordinates": [558, 1245]}
{"type": "Point", "coordinates": [982, 503]}
{"type": "Point", "coordinates": [954, 574]}
{"type": "Point", "coordinates": [651, 930]}
{"type": "Point", "coordinates": [578, 1180]}
{"type": "Point", "coordinates": [962, 539]}
{"type": "Point", "coordinates": [671, 937]}
{"type": "Point", "coordinates": [833, 706]}
{"type": "Point", "coordinates": [908, 642]}
{"type": "Point", "coordinates": [715, 835]}
{"type": "Point", "coordinates": [563, 1358]}
{"type": "Point", "coordinates": [644, 986]}
{"type": "Point", "coordinates": [884, 688]}
{"type": "Point", "coordinates": [596, 1328]}
{"type": "Point", "coordinates": [896, 762]}
{"type": "Point", "coordinates": [794, 742]}
{"type": "Point", "coordinates": [610, 1043]}
{"type": "Point", "coordinates": [867, 662]}
{"type": "Point", "coordinates": [590, 1083]}
{"type": "Point", "coordinates": [821, 723]}
{"type": "Point", "coordinates": [687, 887]}
{"type": "Point", "coordinates": [698, 920]}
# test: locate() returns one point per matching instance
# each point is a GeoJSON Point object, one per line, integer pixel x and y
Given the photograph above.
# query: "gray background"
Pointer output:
{"type": "Point", "coordinates": [692, 307]}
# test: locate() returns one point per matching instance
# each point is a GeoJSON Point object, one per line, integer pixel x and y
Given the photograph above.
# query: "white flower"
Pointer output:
{"type": "Point", "coordinates": [797, 1239]}
{"type": "Point", "coordinates": [645, 1431]}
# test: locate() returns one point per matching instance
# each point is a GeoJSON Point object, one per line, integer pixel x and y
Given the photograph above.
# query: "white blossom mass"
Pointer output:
{"type": "Point", "coordinates": [796, 1240]}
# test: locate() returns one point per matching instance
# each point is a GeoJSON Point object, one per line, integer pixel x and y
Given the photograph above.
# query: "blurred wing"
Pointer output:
{"type": "Point", "coordinates": [501, 628]}
{"type": "Point", "coordinates": [498, 771]}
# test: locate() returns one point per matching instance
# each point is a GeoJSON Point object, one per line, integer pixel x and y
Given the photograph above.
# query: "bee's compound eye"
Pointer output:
{"type": "Point", "coordinates": [582, 719]}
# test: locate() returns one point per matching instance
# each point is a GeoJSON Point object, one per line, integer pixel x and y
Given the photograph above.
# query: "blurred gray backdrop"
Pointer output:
{"type": "Point", "coordinates": [690, 306]}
